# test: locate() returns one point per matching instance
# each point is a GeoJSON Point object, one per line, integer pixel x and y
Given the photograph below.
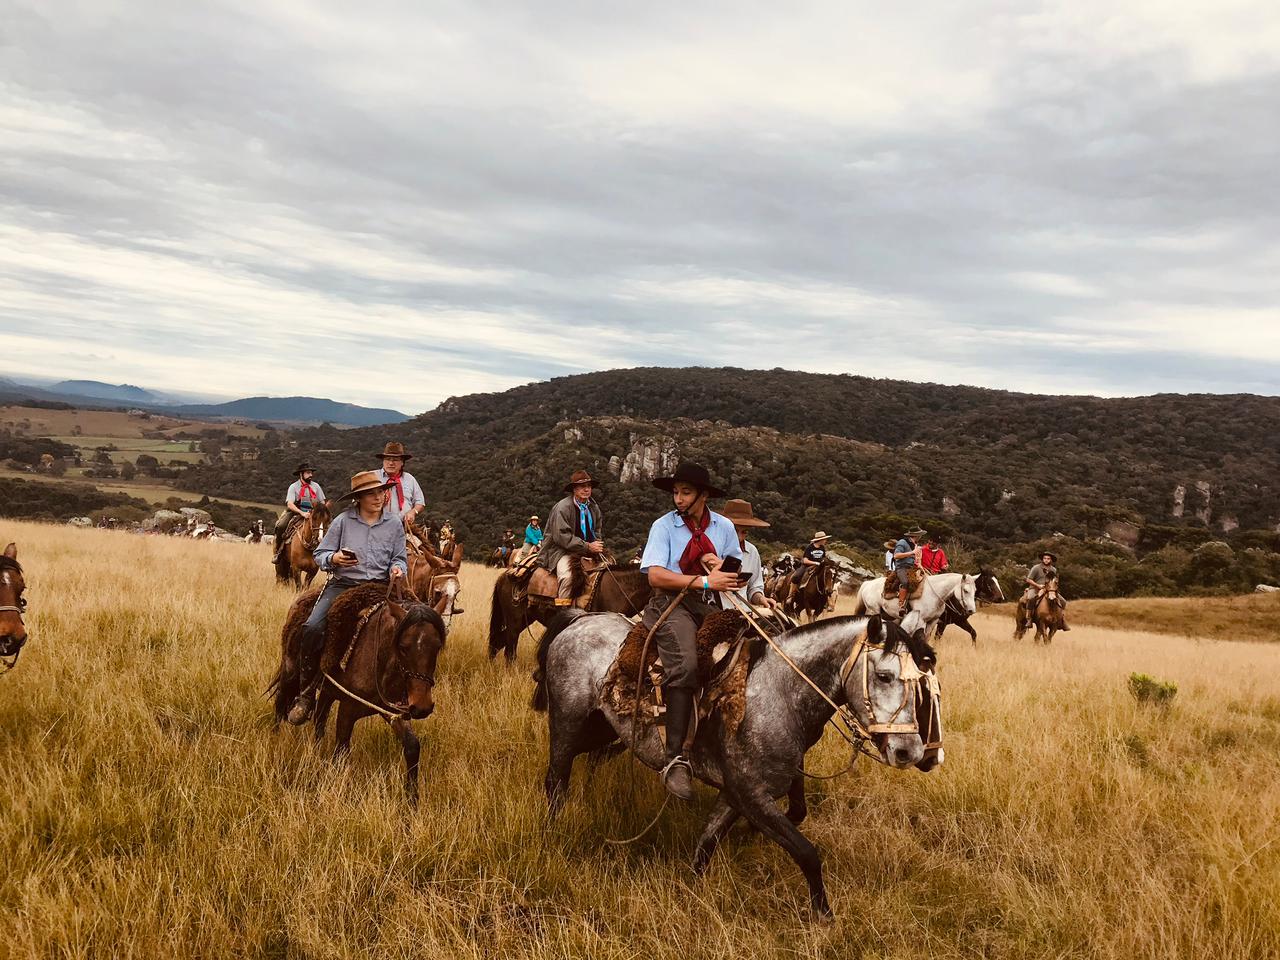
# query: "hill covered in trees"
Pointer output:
{"type": "Point", "coordinates": [1114, 481]}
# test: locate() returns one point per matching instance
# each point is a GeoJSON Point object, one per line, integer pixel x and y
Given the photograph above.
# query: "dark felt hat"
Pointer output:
{"type": "Point", "coordinates": [694, 474]}
{"type": "Point", "coordinates": [302, 468]}
{"type": "Point", "coordinates": [580, 476]}
{"type": "Point", "coordinates": [395, 449]}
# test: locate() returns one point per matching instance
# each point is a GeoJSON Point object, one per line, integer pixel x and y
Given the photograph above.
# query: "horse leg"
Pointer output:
{"type": "Point", "coordinates": [567, 735]}
{"type": "Point", "coordinates": [797, 804]}
{"type": "Point", "coordinates": [773, 823]}
{"type": "Point", "coordinates": [408, 740]}
{"type": "Point", "coordinates": [723, 816]}
{"type": "Point", "coordinates": [320, 718]}
{"type": "Point", "coordinates": [342, 729]}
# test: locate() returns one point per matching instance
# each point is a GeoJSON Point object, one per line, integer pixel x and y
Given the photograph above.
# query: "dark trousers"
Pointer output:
{"type": "Point", "coordinates": [676, 639]}
{"type": "Point", "coordinates": [313, 630]}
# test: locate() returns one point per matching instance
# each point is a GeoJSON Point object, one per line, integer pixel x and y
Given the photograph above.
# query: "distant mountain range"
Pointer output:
{"type": "Point", "coordinates": [298, 410]}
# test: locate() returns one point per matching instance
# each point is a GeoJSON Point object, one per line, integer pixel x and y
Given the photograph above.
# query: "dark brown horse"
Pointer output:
{"type": "Point", "coordinates": [390, 668]}
{"type": "Point", "coordinates": [13, 632]}
{"type": "Point", "coordinates": [813, 597]}
{"type": "Point", "coordinates": [295, 560]}
{"type": "Point", "coordinates": [986, 590]}
{"type": "Point", "coordinates": [622, 590]}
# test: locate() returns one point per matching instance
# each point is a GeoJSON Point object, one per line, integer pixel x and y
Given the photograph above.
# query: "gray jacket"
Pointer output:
{"type": "Point", "coordinates": [562, 532]}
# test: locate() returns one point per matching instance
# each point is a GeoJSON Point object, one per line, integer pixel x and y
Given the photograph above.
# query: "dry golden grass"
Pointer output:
{"type": "Point", "coordinates": [146, 809]}
{"type": "Point", "coordinates": [1253, 616]}
{"type": "Point", "coordinates": [113, 424]}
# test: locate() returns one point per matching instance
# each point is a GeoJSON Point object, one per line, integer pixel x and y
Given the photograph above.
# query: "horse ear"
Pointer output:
{"type": "Point", "coordinates": [442, 604]}
{"type": "Point", "coordinates": [11, 551]}
{"type": "Point", "coordinates": [875, 628]}
{"type": "Point", "coordinates": [397, 611]}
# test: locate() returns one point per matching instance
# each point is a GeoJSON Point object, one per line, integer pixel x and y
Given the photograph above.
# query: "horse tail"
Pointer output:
{"type": "Point", "coordinates": [554, 629]}
{"type": "Point", "coordinates": [497, 621]}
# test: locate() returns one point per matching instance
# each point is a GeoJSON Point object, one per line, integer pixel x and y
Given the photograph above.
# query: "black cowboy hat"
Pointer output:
{"type": "Point", "coordinates": [694, 474]}
{"type": "Point", "coordinates": [302, 468]}
{"type": "Point", "coordinates": [581, 476]}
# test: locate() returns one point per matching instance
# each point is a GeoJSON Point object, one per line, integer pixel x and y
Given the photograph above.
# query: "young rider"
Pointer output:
{"type": "Point", "coordinates": [814, 554]}
{"type": "Point", "coordinates": [1037, 577]}
{"type": "Point", "coordinates": [532, 537]}
{"type": "Point", "coordinates": [573, 530]}
{"type": "Point", "coordinates": [683, 546]}
{"type": "Point", "coordinates": [363, 545]}
{"type": "Point", "coordinates": [906, 558]}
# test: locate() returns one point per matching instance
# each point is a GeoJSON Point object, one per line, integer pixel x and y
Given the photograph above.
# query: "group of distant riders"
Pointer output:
{"type": "Point", "coordinates": [692, 553]}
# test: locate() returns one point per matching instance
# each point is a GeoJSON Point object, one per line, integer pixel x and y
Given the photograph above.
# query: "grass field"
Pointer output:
{"type": "Point", "coordinates": [155, 492]}
{"type": "Point", "coordinates": [114, 425]}
{"type": "Point", "coordinates": [147, 808]}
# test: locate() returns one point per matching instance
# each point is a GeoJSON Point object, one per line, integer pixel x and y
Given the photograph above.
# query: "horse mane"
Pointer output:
{"type": "Point", "coordinates": [921, 652]}
{"type": "Point", "coordinates": [9, 563]}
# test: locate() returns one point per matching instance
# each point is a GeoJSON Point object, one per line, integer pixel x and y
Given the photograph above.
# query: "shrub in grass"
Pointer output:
{"type": "Point", "coordinates": [1147, 689]}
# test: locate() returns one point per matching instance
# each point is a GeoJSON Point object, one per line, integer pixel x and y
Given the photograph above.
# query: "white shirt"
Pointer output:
{"type": "Point", "coordinates": [754, 569]}
{"type": "Point", "coordinates": [412, 494]}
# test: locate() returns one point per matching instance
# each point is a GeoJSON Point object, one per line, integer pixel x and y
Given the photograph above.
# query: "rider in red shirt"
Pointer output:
{"type": "Point", "coordinates": [933, 558]}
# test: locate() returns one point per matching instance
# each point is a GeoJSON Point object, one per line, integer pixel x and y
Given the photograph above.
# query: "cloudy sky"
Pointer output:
{"type": "Point", "coordinates": [393, 202]}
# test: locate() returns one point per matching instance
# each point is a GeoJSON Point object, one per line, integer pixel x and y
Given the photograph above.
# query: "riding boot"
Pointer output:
{"type": "Point", "coordinates": [902, 601]}
{"type": "Point", "coordinates": [308, 677]}
{"type": "Point", "coordinates": [677, 774]}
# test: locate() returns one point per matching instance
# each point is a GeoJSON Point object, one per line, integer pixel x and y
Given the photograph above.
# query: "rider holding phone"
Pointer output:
{"type": "Point", "coordinates": [686, 559]}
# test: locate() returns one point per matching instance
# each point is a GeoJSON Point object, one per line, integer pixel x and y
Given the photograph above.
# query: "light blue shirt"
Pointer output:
{"type": "Point", "coordinates": [904, 563]}
{"type": "Point", "coordinates": [669, 536]}
{"type": "Point", "coordinates": [378, 546]}
{"type": "Point", "coordinates": [413, 495]}
{"type": "Point", "coordinates": [295, 491]}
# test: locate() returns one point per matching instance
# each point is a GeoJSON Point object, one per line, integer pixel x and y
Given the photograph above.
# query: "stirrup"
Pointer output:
{"type": "Point", "coordinates": [564, 601]}
{"type": "Point", "coordinates": [682, 791]}
{"type": "Point", "coordinates": [302, 707]}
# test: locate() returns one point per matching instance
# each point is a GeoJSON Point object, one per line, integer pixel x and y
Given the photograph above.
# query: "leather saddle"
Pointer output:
{"type": "Point", "coordinates": [543, 585]}
{"type": "Point", "coordinates": [915, 584]}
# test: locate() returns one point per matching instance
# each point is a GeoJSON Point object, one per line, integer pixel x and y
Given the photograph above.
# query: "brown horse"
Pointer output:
{"type": "Point", "coordinates": [13, 632]}
{"type": "Point", "coordinates": [622, 590]}
{"type": "Point", "coordinates": [1046, 615]}
{"type": "Point", "coordinates": [813, 597]}
{"type": "Point", "coordinates": [296, 560]}
{"type": "Point", "coordinates": [390, 669]}
{"type": "Point", "coordinates": [436, 577]}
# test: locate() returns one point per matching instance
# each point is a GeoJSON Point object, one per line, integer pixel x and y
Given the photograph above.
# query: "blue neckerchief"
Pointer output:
{"type": "Point", "coordinates": [584, 519]}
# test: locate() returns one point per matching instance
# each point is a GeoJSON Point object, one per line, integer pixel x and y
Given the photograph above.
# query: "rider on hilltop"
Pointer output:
{"type": "Point", "coordinates": [1037, 579]}
{"type": "Point", "coordinates": [302, 495]}
{"type": "Point", "coordinates": [573, 530]}
{"type": "Point", "coordinates": [683, 546]}
{"type": "Point", "coordinates": [363, 545]}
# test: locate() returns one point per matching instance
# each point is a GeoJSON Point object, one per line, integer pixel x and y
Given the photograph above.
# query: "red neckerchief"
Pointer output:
{"type": "Point", "coordinates": [305, 491]}
{"type": "Point", "coordinates": [395, 482]}
{"type": "Point", "coordinates": [698, 546]}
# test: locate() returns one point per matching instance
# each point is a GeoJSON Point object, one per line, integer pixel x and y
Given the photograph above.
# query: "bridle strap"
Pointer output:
{"type": "Point", "coordinates": [12, 609]}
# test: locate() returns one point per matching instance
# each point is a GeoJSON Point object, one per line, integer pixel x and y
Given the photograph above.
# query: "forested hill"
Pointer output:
{"type": "Point", "coordinates": [851, 454]}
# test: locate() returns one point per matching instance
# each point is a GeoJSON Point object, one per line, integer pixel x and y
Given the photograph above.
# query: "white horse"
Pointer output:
{"type": "Point", "coordinates": [927, 609]}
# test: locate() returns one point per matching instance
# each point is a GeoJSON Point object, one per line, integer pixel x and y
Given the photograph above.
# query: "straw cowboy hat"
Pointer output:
{"type": "Point", "coordinates": [890, 544]}
{"type": "Point", "coordinates": [366, 481]}
{"type": "Point", "coordinates": [916, 533]}
{"type": "Point", "coordinates": [303, 467]}
{"type": "Point", "coordinates": [394, 449]}
{"type": "Point", "coordinates": [581, 476]}
{"type": "Point", "coordinates": [694, 474]}
{"type": "Point", "coordinates": [820, 535]}
{"type": "Point", "coordinates": [534, 517]}
{"type": "Point", "coordinates": [739, 511]}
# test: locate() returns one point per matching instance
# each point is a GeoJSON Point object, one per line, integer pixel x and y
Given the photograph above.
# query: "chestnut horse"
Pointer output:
{"type": "Point", "coordinates": [1046, 615]}
{"type": "Point", "coordinates": [622, 590]}
{"type": "Point", "coordinates": [296, 560]}
{"type": "Point", "coordinates": [13, 632]}
{"type": "Point", "coordinates": [390, 671]}
{"type": "Point", "coordinates": [813, 597]}
{"type": "Point", "coordinates": [435, 577]}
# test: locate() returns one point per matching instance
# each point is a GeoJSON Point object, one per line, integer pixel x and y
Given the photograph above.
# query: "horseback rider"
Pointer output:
{"type": "Point", "coordinates": [888, 556]}
{"type": "Point", "coordinates": [813, 557]}
{"type": "Point", "coordinates": [682, 546]}
{"type": "Point", "coordinates": [1036, 580]}
{"type": "Point", "coordinates": [406, 500]}
{"type": "Point", "coordinates": [532, 537]}
{"type": "Point", "coordinates": [508, 545]}
{"type": "Point", "coordinates": [752, 591]}
{"type": "Point", "coordinates": [573, 530]}
{"type": "Point", "coordinates": [302, 495]}
{"type": "Point", "coordinates": [906, 565]}
{"type": "Point", "coordinates": [364, 544]}
{"type": "Point", "coordinates": [933, 559]}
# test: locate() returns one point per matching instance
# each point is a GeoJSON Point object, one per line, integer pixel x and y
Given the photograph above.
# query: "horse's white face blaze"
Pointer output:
{"type": "Point", "coordinates": [891, 700]}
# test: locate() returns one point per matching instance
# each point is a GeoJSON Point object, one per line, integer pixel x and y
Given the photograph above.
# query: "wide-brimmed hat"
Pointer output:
{"type": "Point", "coordinates": [366, 481]}
{"type": "Point", "coordinates": [394, 449]}
{"type": "Point", "coordinates": [890, 544]}
{"type": "Point", "coordinates": [534, 517]}
{"type": "Point", "coordinates": [739, 511]}
{"type": "Point", "coordinates": [1050, 554]}
{"type": "Point", "coordinates": [302, 468]}
{"type": "Point", "coordinates": [915, 533]}
{"type": "Point", "coordinates": [820, 535]}
{"type": "Point", "coordinates": [580, 476]}
{"type": "Point", "coordinates": [694, 474]}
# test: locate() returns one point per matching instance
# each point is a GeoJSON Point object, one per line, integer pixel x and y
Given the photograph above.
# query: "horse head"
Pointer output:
{"type": "Point", "coordinates": [417, 642]}
{"type": "Point", "coordinates": [886, 687]}
{"type": "Point", "coordinates": [13, 632]}
{"type": "Point", "coordinates": [967, 593]}
{"type": "Point", "coordinates": [987, 587]}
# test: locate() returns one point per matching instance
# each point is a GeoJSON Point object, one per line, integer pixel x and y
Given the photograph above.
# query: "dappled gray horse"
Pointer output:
{"type": "Point", "coordinates": [869, 665]}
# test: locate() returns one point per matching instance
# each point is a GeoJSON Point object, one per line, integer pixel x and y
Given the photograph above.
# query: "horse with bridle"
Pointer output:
{"type": "Point", "coordinates": [433, 576]}
{"type": "Point", "coordinates": [296, 560]}
{"type": "Point", "coordinates": [867, 672]}
{"type": "Point", "coordinates": [623, 590]}
{"type": "Point", "coordinates": [986, 590]}
{"type": "Point", "coordinates": [935, 592]}
{"type": "Point", "coordinates": [255, 533]}
{"type": "Point", "coordinates": [13, 632]}
{"type": "Point", "coordinates": [811, 599]}
{"type": "Point", "coordinates": [388, 669]}
{"type": "Point", "coordinates": [1046, 615]}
